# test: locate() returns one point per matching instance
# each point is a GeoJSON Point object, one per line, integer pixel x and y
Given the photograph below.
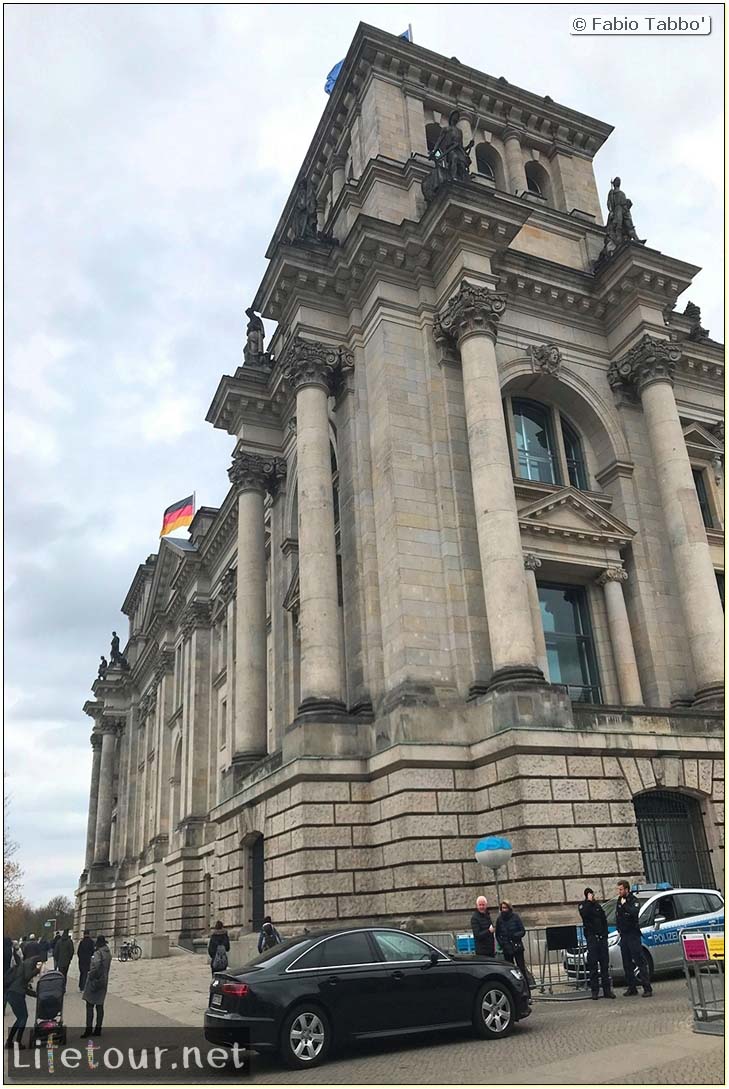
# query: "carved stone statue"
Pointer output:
{"type": "Point", "coordinates": [619, 227]}
{"type": "Point", "coordinates": [253, 352]}
{"type": "Point", "coordinates": [452, 160]}
{"type": "Point", "coordinates": [304, 222]}
{"type": "Point", "coordinates": [116, 658]}
{"type": "Point", "coordinates": [545, 357]}
{"type": "Point", "coordinates": [103, 666]}
{"type": "Point", "coordinates": [693, 313]}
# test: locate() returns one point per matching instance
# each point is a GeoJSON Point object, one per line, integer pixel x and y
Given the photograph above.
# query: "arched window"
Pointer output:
{"type": "Point", "coordinates": [573, 456]}
{"type": "Point", "coordinates": [538, 180]}
{"type": "Point", "coordinates": [488, 163]}
{"type": "Point", "coordinates": [672, 839]}
{"type": "Point", "coordinates": [545, 447]}
{"type": "Point", "coordinates": [534, 442]}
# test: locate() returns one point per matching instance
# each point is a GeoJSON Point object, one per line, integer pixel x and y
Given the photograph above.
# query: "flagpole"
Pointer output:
{"type": "Point", "coordinates": [410, 31]}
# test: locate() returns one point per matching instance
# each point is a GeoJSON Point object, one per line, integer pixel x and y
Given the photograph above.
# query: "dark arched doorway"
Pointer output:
{"type": "Point", "coordinates": [672, 839]}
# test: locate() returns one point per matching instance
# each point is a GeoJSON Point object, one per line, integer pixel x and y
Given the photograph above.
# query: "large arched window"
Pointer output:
{"type": "Point", "coordinates": [488, 163]}
{"type": "Point", "coordinates": [538, 181]}
{"type": "Point", "coordinates": [545, 447]}
{"type": "Point", "coordinates": [432, 134]}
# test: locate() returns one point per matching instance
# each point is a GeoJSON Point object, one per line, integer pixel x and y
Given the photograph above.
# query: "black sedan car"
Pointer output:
{"type": "Point", "coordinates": [338, 985]}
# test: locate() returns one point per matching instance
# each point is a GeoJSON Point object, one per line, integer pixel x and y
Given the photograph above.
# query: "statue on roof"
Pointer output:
{"type": "Point", "coordinates": [619, 227]}
{"type": "Point", "coordinates": [103, 667]}
{"type": "Point", "coordinates": [452, 160]}
{"type": "Point", "coordinates": [253, 353]}
{"type": "Point", "coordinates": [693, 313]}
{"type": "Point", "coordinates": [116, 658]}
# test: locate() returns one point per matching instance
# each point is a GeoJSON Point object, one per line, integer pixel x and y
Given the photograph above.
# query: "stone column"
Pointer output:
{"type": "Point", "coordinates": [338, 178]}
{"type": "Point", "coordinates": [471, 319]}
{"type": "Point", "coordinates": [621, 639]}
{"type": "Point", "coordinates": [649, 367]}
{"type": "Point", "coordinates": [312, 369]}
{"type": "Point", "coordinates": [93, 799]}
{"type": "Point", "coordinates": [514, 160]}
{"type": "Point", "coordinates": [102, 840]}
{"type": "Point", "coordinates": [532, 564]}
{"type": "Point", "coordinates": [252, 475]}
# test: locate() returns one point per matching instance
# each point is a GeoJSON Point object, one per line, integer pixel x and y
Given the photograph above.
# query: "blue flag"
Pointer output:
{"type": "Point", "coordinates": [332, 77]}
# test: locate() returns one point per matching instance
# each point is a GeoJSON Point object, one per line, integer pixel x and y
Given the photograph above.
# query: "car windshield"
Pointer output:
{"type": "Point", "coordinates": [278, 952]}
{"type": "Point", "coordinates": [610, 905]}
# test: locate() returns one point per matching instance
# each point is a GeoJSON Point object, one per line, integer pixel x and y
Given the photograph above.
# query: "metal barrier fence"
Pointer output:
{"type": "Point", "coordinates": [703, 965]}
{"type": "Point", "coordinates": [555, 957]}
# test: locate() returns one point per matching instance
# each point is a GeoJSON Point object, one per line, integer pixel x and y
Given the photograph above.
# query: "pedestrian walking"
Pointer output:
{"type": "Point", "coordinates": [54, 943]}
{"type": "Point", "coordinates": [11, 960]}
{"type": "Point", "coordinates": [18, 990]}
{"type": "Point", "coordinates": [218, 948]}
{"type": "Point", "coordinates": [64, 953]}
{"type": "Point", "coordinates": [31, 947]}
{"type": "Point", "coordinates": [483, 929]}
{"type": "Point", "coordinates": [84, 953]}
{"type": "Point", "coordinates": [45, 947]}
{"type": "Point", "coordinates": [510, 933]}
{"type": "Point", "coordinates": [269, 936]}
{"type": "Point", "coordinates": [631, 947]}
{"type": "Point", "coordinates": [97, 981]}
{"type": "Point", "coordinates": [595, 927]}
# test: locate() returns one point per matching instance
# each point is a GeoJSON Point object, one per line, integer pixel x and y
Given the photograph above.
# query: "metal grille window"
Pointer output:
{"type": "Point", "coordinates": [672, 839]}
{"type": "Point", "coordinates": [570, 645]}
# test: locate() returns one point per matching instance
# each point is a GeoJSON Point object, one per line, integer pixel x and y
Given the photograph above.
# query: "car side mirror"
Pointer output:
{"type": "Point", "coordinates": [657, 921]}
{"type": "Point", "coordinates": [432, 960]}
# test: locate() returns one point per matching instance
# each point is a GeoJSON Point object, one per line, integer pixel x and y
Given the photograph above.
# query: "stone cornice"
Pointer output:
{"type": "Point", "coordinates": [650, 360]}
{"type": "Point", "coordinates": [143, 573]}
{"type": "Point", "coordinates": [472, 310]}
{"type": "Point", "coordinates": [248, 396]}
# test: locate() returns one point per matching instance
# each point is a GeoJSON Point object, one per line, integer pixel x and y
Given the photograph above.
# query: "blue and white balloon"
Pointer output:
{"type": "Point", "coordinates": [493, 851]}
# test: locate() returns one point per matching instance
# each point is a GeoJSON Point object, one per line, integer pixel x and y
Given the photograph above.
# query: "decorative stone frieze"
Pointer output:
{"type": "Point", "coordinates": [165, 664]}
{"type": "Point", "coordinates": [612, 574]}
{"type": "Point", "coordinates": [196, 615]}
{"type": "Point", "coordinates": [545, 357]}
{"type": "Point", "coordinates": [312, 363]}
{"type": "Point", "coordinates": [650, 360]}
{"type": "Point", "coordinates": [148, 703]}
{"type": "Point", "coordinates": [532, 562]}
{"type": "Point", "coordinates": [254, 472]}
{"type": "Point", "coordinates": [471, 310]}
{"type": "Point", "coordinates": [226, 592]}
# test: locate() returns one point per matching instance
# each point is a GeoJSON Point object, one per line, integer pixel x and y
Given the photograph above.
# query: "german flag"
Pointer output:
{"type": "Point", "coordinates": [178, 515]}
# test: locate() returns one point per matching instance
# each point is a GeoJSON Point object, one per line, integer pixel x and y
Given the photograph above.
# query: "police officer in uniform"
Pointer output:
{"type": "Point", "coordinates": [595, 926]}
{"type": "Point", "coordinates": [631, 949]}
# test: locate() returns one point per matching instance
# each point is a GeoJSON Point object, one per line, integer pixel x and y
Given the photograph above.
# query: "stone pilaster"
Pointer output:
{"type": "Point", "coordinates": [252, 474]}
{"type": "Point", "coordinates": [102, 841]}
{"type": "Point", "coordinates": [532, 564]}
{"type": "Point", "coordinates": [471, 319]}
{"type": "Point", "coordinates": [313, 370]}
{"type": "Point", "coordinates": [96, 740]}
{"type": "Point", "coordinates": [621, 639]}
{"type": "Point", "coordinates": [649, 368]}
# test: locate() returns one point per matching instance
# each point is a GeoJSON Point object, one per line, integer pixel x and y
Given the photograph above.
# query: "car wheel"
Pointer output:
{"type": "Point", "coordinates": [649, 962]}
{"type": "Point", "coordinates": [305, 1037]}
{"type": "Point", "coordinates": [494, 1015]}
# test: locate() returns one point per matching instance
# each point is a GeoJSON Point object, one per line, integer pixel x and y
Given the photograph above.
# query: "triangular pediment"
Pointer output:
{"type": "Point", "coordinates": [569, 513]}
{"type": "Point", "coordinates": [171, 556]}
{"type": "Point", "coordinates": [699, 439]}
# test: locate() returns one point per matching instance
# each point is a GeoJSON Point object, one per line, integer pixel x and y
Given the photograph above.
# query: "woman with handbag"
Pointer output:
{"type": "Point", "coordinates": [510, 933]}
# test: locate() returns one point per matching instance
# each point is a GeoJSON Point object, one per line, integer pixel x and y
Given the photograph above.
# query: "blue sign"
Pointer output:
{"type": "Point", "coordinates": [493, 851]}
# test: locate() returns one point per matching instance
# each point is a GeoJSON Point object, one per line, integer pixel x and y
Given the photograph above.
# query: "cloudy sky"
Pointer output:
{"type": "Point", "coordinates": [148, 152]}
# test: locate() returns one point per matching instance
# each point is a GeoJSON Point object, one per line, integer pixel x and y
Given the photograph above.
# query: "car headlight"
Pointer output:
{"type": "Point", "coordinates": [516, 974]}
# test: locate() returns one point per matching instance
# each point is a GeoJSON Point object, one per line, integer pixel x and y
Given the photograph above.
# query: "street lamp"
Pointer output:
{"type": "Point", "coordinates": [494, 852]}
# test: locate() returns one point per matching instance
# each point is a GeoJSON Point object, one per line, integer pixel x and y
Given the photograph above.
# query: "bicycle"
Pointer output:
{"type": "Point", "coordinates": [129, 950]}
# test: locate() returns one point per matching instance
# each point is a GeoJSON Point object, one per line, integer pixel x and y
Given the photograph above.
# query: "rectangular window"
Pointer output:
{"type": "Point", "coordinates": [703, 497]}
{"type": "Point", "coordinates": [570, 644]}
{"type": "Point", "coordinates": [223, 723]}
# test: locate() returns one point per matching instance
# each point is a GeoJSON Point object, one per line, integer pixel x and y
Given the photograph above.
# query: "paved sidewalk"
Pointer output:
{"type": "Point", "coordinates": [626, 1041]}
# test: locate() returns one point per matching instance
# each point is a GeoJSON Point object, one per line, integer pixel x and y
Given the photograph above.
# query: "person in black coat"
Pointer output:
{"type": "Point", "coordinates": [218, 938]}
{"type": "Point", "coordinates": [510, 933]}
{"type": "Point", "coordinates": [54, 944]}
{"type": "Point", "coordinates": [64, 953]}
{"type": "Point", "coordinates": [483, 929]}
{"type": "Point", "coordinates": [31, 948]}
{"type": "Point", "coordinates": [595, 927]}
{"type": "Point", "coordinates": [631, 946]}
{"type": "Point", "coordinates": [84, 953]}
{"type": "Point", "coordinates": [11, 960]}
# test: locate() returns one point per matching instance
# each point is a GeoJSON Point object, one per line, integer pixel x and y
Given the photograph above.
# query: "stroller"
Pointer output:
{"type": "Point", "coordinates": [48, 1025]}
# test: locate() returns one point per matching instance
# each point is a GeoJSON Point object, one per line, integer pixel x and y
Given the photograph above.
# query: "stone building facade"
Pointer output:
{"type": "Point", "coordinates": [468, 577]}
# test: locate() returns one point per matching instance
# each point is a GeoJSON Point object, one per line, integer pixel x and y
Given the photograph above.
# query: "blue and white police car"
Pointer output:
{"type": "Point", "coordinates": [664, 913]}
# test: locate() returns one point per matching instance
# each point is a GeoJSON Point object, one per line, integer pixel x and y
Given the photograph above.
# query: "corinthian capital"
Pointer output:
{"type": "Point", "coordinates": [650, 360]}
{"type": "Point", "coordinates": [471, 310]}
{"type": "Point", "coordinates": [531, 562]}
{"type": "Point", "coordinates": [254, 472]}
{"type": "Point", "coordinates": [311, 363]}
{"type": "Point", "coordinates": [612, 574]}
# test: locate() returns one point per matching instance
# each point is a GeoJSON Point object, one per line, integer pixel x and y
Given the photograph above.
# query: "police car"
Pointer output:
{"type": "Point", "coordinates": [664, 913]}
